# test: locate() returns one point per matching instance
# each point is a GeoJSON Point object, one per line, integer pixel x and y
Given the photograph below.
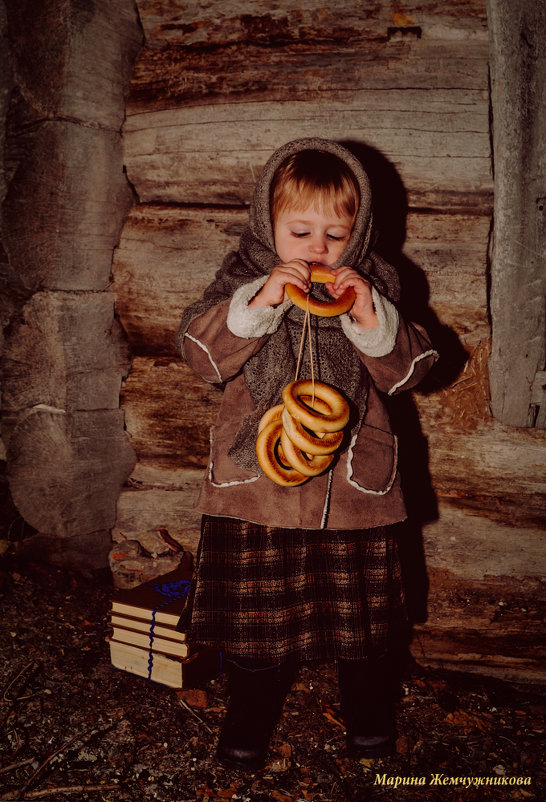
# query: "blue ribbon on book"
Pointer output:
{"type": "Point", "coordinates": [173, 591]}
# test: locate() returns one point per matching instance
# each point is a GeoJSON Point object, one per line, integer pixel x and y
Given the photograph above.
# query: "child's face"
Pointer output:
{"type": "Point", "coordinates": [311, 234]}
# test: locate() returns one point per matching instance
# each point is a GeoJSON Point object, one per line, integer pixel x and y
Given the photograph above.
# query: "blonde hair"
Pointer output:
{"type": "Point", "coordinates": [315, 178]}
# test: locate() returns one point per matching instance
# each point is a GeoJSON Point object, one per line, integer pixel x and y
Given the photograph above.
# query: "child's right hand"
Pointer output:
{"type": "Point", "coordinates": [273, 293]}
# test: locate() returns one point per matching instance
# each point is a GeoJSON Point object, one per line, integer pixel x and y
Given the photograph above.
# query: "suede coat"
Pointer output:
{"type": "Point", "coordinates": [253, 353]}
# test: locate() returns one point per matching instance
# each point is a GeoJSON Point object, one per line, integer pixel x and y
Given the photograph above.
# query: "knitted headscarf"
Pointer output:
{"type": "Point", "coordinates": [336, 361]}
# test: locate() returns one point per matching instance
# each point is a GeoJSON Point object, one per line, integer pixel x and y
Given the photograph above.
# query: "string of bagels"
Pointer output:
{"type": "Point", "coordinates": [298, 438]}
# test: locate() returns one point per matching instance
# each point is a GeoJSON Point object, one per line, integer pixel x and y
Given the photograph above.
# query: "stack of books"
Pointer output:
{"type": "Point", "coordinates": [144, 638]}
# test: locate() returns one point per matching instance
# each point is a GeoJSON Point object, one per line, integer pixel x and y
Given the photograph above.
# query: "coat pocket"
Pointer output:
{"type": "Point", "coordinates": [223, 472]}
{"type": "Point", "coordinates": [372, 460]}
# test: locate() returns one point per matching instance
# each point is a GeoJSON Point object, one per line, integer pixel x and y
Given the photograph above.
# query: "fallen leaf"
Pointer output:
{"type": "Point", "coordinates": [194, 697]}
{"type": "Point", "coordinates": [284, 750]}
{"type": "Point", "coordinates": [281, 797]}
{"type": "Point", "coordinates": [227, 793]}
{"type": "Point", "coordinates": [470, 721]}
{"type": "Point", "coordinates": [329, 714]}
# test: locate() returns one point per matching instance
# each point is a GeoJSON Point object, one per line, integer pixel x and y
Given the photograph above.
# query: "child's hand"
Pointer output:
{"type": "Point", "coordinates": [363, 310]}
{"type": "Point", "coordinates": [296, 272]}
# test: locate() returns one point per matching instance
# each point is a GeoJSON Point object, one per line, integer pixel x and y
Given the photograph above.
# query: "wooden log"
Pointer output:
{"type": "Point", "coordinates": [412, 84]}
{"type": "Point", "coordinates": [68, 453]}
{"type": "Point", "coordinates": [193, 24]}
{"type": "Point", "coordinates": [212, 154]}
{"type": "Point", "coordinates": [237, 72]}
{"type": "Point", "coordinates": [474, 592]}
{"type": "Point", "coordinates": [474, 547]}
{"type": "Point", "coordinates": [169, 411]}
{"type": "Point", "coordinates": [144, 506]}
{"type": "Point", "coordinates": [56, 175]}
{"type": "Point", "coordinates": [486, 627]}
{"type": "Point", "coordinates": [518, 285]}
{"type": "Point", "coordinates": [66, 469]}
{"type": "Point", "coordinates": [477, 463]}
{"type": "Point", "coordinates": [166, 257]}
{"type": "Point", "coordinates": [66, 351]}
{"type": "Point", "coordinates": [76, 53]}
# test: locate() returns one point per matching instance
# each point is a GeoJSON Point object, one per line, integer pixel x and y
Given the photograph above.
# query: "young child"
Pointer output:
{"type": "Point", "coordinates": [309, 572]}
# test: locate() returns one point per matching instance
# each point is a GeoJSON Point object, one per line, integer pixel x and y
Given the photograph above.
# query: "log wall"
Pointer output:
{"type": "Point", "coordinates": [214, 92]}
{"type": "Point", "coordinates": [64, 201]}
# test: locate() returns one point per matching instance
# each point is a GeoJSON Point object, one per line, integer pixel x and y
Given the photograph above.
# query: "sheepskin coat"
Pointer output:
{"type": "Point", "coordinates": [252, 352]}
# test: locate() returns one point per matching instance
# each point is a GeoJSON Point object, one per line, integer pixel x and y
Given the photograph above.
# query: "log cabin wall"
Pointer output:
{"type": "Point", "coordinates": [64, 197]}
{"type": "Point", "coordinates": [216, 89]}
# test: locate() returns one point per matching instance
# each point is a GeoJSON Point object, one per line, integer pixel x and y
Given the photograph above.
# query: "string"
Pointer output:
{"type": "Point", "coordinates": [306, 330]}
{"type": "Point", "coordinates": [302, 340]}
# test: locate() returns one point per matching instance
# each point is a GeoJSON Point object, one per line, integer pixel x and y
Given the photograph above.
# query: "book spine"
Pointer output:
{"type": "Point", "coordinates": [162, 645]}
{"type": "Point", "coordinates": [141, 625]}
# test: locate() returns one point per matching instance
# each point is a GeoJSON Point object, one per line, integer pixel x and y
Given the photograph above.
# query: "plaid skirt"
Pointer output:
{"type": "Point", "coordinates": [276, 594]}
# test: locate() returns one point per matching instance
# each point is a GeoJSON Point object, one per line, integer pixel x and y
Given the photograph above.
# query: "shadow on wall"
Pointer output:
{"type": "Point", "coordinates": [390, 209]}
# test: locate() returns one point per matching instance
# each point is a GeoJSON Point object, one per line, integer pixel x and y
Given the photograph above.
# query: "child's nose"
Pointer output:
{"type": "Point", "coordinates": [319, 244]}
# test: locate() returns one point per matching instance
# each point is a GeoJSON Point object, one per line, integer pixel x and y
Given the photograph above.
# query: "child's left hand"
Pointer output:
{"type": "Point", "coordinates": [363, 310]}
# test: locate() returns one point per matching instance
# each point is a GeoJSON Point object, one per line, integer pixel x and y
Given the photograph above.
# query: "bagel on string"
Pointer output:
{"type": "Point", "coordinates": [307, 464]}
{"type": "Point", "coordinates": [272, 459]}
{"type": "Point", "coordinates": [310, 442]}
{"type": "Point", "coordinates": [272, 414]}
{"type": "Point", "coordinates": [337, 306]}
{"type": "Point", "coordinates": [314, 419]}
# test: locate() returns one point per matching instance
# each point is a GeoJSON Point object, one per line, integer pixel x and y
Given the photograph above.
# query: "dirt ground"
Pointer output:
{"type": "Point", "coordinates": [74, 728]}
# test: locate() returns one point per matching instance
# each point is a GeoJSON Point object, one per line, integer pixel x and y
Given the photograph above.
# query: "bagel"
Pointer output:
{"type": "Point", "coordinates": [314, 419]}
{"type": "Point", "coordinates": [273, 413]}
{"type": "Point", "coordinates": [308, 441]}
{"type": "Point", "coordinates": [272, 459]}
{"type": "Point", "coordinates": [309, 465]}
{"type": "Point", "coordinates": [315, 403]}
{"type": "Point", "coordinates": [337, 306]}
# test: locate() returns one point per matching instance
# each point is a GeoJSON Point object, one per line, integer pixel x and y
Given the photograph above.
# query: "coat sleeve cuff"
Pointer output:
{"type": "Point", "coordinates": [379, 341]}
{"type": "Point", "coordinates": [250, 321]}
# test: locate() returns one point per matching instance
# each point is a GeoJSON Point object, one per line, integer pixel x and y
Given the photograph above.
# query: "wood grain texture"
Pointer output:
{"type": "Point", "coordinates": [213, 154]}
{"type": "Point", "coordinates": [56, 236]}
{"type": "Point", "coordinates": [67, 452]}
{"type": "Point", "coordinates": [168, 412]}
{"type": "Point", "coordinates": [195, 24]}
{"type": "Point", "coordinates": [242, 72]}
{"type": "Point", "coordinates": [66, 351]}
{"type": "Point", "coordinates": [82, 58]}
{"type": "Point", "coordinates": [66, 469]}
{"type": "Point", "coordinates": [216, 90]}
{"type": "Point", "coordinates": [518, 261]}
{"type": "Point", "coordinates": [166, 257]}
{"type": "Point", "coordinates": [487, 627]}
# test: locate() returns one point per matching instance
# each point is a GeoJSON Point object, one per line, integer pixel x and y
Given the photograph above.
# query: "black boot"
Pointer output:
{"type": "Point", "coordinates": [367, 707]}
{"type": "Point", "coordinates": [256, 699]}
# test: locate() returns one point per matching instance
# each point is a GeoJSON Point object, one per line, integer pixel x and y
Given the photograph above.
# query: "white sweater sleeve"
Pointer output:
{"type": "Point", "coordinates": [253, 321]}
{"type": "Point", "coordinates": [380, 340]}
